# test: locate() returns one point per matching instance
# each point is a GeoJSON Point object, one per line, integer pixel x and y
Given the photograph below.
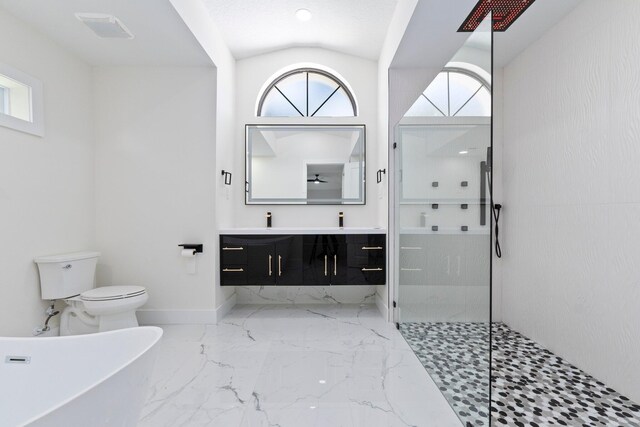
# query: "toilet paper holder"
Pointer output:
{"type": "Point", "coordinates": [198, 247]}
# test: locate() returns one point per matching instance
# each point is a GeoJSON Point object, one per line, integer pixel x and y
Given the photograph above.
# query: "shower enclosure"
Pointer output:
{"type": "Point", "coordinates": [443, 227]}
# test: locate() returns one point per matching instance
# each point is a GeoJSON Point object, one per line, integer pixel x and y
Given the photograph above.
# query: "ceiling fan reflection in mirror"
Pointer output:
{"type": "Point", "coordinates": [316, 180]}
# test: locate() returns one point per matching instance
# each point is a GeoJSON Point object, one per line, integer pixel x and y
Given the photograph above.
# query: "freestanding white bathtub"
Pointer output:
{"type": "Point", "coordinates": [76, 381]}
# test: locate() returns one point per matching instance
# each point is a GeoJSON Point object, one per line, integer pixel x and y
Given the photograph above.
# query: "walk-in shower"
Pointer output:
{"type": "Point", "coordinates": [443, 227]}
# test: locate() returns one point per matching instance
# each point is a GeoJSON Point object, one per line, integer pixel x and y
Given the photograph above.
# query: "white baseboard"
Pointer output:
{"type": "Point", "coordinates": [384, 310]}
{"type": "Point", "coordinates": [176, 317]}
{"type": "Point", "coordinates": [185, 317]}
{"type": "Point", "coordinates": [226, 307]}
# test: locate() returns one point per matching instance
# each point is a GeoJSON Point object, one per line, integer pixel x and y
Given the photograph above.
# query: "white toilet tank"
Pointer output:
{"type": "Point", "coordinates": [66, 275]}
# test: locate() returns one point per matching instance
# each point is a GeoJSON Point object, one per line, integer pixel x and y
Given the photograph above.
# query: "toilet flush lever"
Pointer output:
{"type": "Point", "coordinates": [67, 267]}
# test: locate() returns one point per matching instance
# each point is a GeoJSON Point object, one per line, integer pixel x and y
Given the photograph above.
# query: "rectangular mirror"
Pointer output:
{"type": "Point", "coordinates": [305, 164]}
{"type": "Point", "coordinates": [438, 155]}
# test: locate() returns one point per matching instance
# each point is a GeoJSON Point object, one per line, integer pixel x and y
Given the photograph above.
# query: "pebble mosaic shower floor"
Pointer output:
{"type": "Point", "coordinates": [530, 385]}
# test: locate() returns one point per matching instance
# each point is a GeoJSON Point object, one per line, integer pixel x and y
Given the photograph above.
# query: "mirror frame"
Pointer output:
{"type": "Point", "coordinates": [247, 199]}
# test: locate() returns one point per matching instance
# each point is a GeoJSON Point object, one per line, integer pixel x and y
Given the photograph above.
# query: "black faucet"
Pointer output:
{"type": "Point", "coordinates": [268, 219]}
{"type": "Point", "coordinates": [341, 219]}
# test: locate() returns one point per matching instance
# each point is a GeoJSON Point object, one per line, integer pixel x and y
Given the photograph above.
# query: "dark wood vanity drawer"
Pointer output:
{"type": "Point", "coordinates": [367, 275]}
{"type": "Point", "coordinates": [233, 250]}
{"type": "Point", "coordinates": [233, 255]}
{"type": "Point", "coordinates": [363, 255]}
{"type": "Point", "coordinates": [233, 276]}
{"type": "Point", "coordinates": [366, 257]}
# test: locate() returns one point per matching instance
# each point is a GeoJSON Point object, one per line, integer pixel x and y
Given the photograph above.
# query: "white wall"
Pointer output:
{"type": "Point", "coordinates": [196, 16]}
{"type": "Point", "coordinates": [251, 75]}
{"type": "Point", "coordinates": [399, 22]}
{"type": "Point", "coordinates": [46, 184]}
{"type": "Point", "coordinates": [571, 194]}
{"type": "Point", "coordinates": [156, 181]}
{"type": "Point", "coordinates": [361, 75]}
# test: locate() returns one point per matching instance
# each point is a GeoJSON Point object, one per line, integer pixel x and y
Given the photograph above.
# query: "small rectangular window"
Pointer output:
{"type": "Point", "coordinates": [4, 100]}
{"type": "Point", "coordinates": [20, 101]}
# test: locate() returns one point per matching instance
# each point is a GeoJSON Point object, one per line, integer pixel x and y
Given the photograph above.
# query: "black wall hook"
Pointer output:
{"type": "Point", "coordinates": [379, 175]}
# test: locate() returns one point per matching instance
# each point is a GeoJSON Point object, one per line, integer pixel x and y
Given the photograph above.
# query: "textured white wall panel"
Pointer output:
{"type": "Point", "coordinates": [571, 266]}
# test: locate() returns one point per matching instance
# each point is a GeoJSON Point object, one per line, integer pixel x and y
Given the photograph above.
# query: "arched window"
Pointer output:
{"type": "Point", "coordinates": [307, 92]}
{"type": "Point", "coordinates": [455, 92]}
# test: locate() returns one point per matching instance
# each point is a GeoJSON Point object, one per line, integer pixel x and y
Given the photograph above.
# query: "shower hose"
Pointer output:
{"type": "Point", "coordinates": [495, 211]}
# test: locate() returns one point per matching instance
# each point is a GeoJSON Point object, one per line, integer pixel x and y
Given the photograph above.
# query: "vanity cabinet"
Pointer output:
{"type": "Point", "coordinates": [366, 259]}
{"type": "Point", "coordinates": [325, 260]}
{"type": "Point", "coordinates": [303, 260]}
{"type": "Point", "coordinates": [260, 260]}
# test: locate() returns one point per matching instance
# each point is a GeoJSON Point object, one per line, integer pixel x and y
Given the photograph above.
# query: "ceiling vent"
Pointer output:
{"type": "Point", "coordinates": [105, 26]}
{"type": "Point", "coordinates": [505, 12]}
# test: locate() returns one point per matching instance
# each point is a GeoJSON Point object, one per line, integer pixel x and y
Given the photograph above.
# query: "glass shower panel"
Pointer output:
{"type": "Point", "coordinates": [443, 228]}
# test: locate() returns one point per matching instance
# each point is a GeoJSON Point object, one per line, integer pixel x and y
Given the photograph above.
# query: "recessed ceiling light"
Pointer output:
{"type": "Point", "coordinates": [322, 382]}
{"type": "Point", "coordinates": [303, 15]}
{"type": "Point", "coordinates": [464, 152]}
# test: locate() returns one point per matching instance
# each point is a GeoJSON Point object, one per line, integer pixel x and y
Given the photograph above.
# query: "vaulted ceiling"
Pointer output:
{"type": "Point", "coordinates": [253, 27]}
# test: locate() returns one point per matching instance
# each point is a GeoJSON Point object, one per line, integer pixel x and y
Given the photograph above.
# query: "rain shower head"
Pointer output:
{"type": "Point", "coordinates": [505, 12]}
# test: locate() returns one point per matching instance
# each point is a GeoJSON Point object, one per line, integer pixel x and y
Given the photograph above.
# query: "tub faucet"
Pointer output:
{"type": "Point", "coordinates": [268, 215]}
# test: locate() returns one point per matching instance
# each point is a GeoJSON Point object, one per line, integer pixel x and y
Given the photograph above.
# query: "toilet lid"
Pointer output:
{"type": "Point", "coordinates": [106, 293]}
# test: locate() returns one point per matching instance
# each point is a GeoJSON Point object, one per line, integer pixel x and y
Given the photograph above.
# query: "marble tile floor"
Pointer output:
{"type": "Point", "coordinates": [324, 365]}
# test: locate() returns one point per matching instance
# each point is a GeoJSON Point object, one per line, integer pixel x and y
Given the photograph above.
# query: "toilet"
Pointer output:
{"type": "Point", "coordinates": [89, 309]}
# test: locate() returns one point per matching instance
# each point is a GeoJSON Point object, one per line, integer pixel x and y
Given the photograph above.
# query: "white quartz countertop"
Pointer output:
{"type": "Point", "coordinates": [305, 230]}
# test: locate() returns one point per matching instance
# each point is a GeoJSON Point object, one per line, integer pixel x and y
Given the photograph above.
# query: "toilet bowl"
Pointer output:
{"type": "Point", "coordinates": [102, 309]}
{"type": "Point", "coordinates": [70, 277]}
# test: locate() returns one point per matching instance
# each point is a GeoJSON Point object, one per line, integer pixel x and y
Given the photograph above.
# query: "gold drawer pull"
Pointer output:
{"type": "Point", "coordinates": [410, 269]}
{"type": "Point", "coordinates": [372, 248]}
{"type": "Point", "coordinates": [411, 248]}
{"type": "Point", "coordinates": [372, 269]}
{"type": "Point", "coordinates": [233, 270]}
{"type": "Point", "coordinates": [270, 265]}
{"type": "Point", "coordinates": [240, 248]}
{"type": "Point", "coordinates": [279, 265]}
{"type": "Point", "coordinates": [325, 265]}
